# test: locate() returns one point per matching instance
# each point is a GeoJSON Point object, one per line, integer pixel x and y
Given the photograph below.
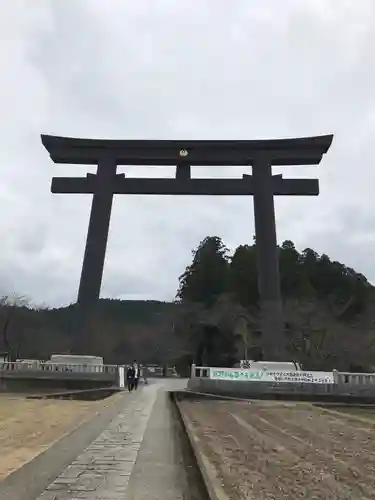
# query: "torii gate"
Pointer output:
{"type": "Point", "coordinates": [262, 185]}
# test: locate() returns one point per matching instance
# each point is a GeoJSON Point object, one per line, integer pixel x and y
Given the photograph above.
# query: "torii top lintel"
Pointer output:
{"type": "Point", "coordinates": [298, 151]}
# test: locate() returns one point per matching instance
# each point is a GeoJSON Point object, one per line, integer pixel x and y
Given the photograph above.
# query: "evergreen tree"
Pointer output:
{"type": "Point", "coordinates": [244, 276]}
{"type": "Point", "coordinates": [208, 276]}
{"type": "Point", "coordinates": [294, 281]}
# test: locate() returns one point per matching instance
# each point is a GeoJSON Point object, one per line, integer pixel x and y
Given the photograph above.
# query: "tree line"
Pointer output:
{"type": "Point", "coordinates": [329, 313]}
{"type": "Point", "coordinates": [118, 330]}
{"type": "Point", "coordinates": [328, 307]}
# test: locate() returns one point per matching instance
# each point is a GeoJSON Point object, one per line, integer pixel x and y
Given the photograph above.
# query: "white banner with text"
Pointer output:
{"type": "Point", "coordinates": [301, 377]}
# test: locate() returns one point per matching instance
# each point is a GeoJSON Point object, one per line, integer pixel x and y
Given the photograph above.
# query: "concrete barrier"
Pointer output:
{"type": "Point", "coordinates": [55, 370]}
{"type": "Point", "coordinates": [26, 377]}
{"type": "Point", "coordinates": [346, 387]}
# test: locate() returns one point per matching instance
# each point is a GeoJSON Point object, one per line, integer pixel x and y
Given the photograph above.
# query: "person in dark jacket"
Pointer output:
{"type": "Point", "coordinates": [137, 374]}
{"type": "Point", "coordinates": [130, 378]}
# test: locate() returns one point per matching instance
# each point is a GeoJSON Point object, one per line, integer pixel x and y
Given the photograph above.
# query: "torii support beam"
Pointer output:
{"type": "Point", "coordinates": [261, 155]}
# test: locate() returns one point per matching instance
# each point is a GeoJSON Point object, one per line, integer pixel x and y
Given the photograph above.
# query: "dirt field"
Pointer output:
{"type": "Point", "coordinates": [29, 426]}
{"type": "Point", "coordinates": [274, 450]}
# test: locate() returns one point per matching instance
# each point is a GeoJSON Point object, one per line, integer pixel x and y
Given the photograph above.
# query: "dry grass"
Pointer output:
{"type": "Point", "coordinates": [30, 426]}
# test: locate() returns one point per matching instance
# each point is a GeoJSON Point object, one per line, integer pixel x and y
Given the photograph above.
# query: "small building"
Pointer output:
{"type": "Point", "coordinates": [72, 359]}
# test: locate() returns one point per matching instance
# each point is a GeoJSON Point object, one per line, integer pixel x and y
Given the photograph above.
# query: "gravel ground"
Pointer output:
{"type": "Point", "coordinates": [274, 450]}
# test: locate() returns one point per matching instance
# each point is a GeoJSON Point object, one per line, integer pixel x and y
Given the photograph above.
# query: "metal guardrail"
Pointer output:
{"type": "Point", "coordinates": [23, 367]}
{"type": "Point", "coordinates": [346, 378]}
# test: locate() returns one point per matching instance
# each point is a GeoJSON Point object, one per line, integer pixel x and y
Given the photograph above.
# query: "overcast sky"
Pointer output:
{"type": "Point", "coordinates": [175, 69]}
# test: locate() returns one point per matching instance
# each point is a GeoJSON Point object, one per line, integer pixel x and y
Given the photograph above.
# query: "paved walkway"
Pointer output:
{"type": "Point", "coordinates": [135, 458]}
{"type": "Point", "coordinates": [102, 471]}
{"type": "Point", "coordinates": [165, 468]}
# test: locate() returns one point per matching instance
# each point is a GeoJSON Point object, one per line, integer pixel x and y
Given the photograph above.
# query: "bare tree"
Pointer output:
{"type": "Point", "coordinates": [319, 340]}
{"type": "Point", "coordinates": [225, 318]}
{"type": "Point", "coordinates": [14, 323]}
{"type": "Point", "coordinates": [242, 321]}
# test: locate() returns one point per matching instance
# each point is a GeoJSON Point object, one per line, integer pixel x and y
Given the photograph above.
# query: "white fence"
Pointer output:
{"type": "Point", "coordinates": [314, 377]}
{"type": "Point", "coordinates": [355, 378]}
{"type": "Point", "coordinates": [33, 366]}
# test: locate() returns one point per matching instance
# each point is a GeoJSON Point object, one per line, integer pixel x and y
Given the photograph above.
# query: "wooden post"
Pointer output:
{"type": "Point", "coordinates": [95, 250]}
{"type": "Point", "coordinates": [272, 321]}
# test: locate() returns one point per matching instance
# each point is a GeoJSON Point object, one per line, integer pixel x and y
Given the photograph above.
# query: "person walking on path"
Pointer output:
{"type": "Point", "coordinates": [130, 378]}
{"type": "Point", "coordinates": [137, 374]}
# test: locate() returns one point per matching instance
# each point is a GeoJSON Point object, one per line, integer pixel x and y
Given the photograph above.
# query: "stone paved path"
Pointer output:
{"type": "Point", "coordinates": [165, 468]}
{"type": "Point", "coordinates": [103, 470]}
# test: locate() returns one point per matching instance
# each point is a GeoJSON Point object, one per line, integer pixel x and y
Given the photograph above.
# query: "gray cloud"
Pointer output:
{"type": "Point", "coordinates": [168, 69]}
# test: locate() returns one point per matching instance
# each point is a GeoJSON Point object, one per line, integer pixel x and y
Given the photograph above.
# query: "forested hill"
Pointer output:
{"type": "Point", "coordinates": [139, 312]}
{"type": "Point", "coordinates": [304, 275]}
{"type": "Point", "coordinates": [119, 330]}
{"type": "Point", "coordinates": [329, 312]}
{"type": "Point", "coordinates": [329, 308]}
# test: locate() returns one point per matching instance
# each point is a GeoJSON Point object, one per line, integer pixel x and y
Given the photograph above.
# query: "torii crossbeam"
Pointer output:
{"type": "Point", "coordinates": [262, 185]}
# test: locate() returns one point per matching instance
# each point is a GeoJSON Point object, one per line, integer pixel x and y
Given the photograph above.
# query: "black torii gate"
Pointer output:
{"type": "Point", "coordinates": [262, 185]}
